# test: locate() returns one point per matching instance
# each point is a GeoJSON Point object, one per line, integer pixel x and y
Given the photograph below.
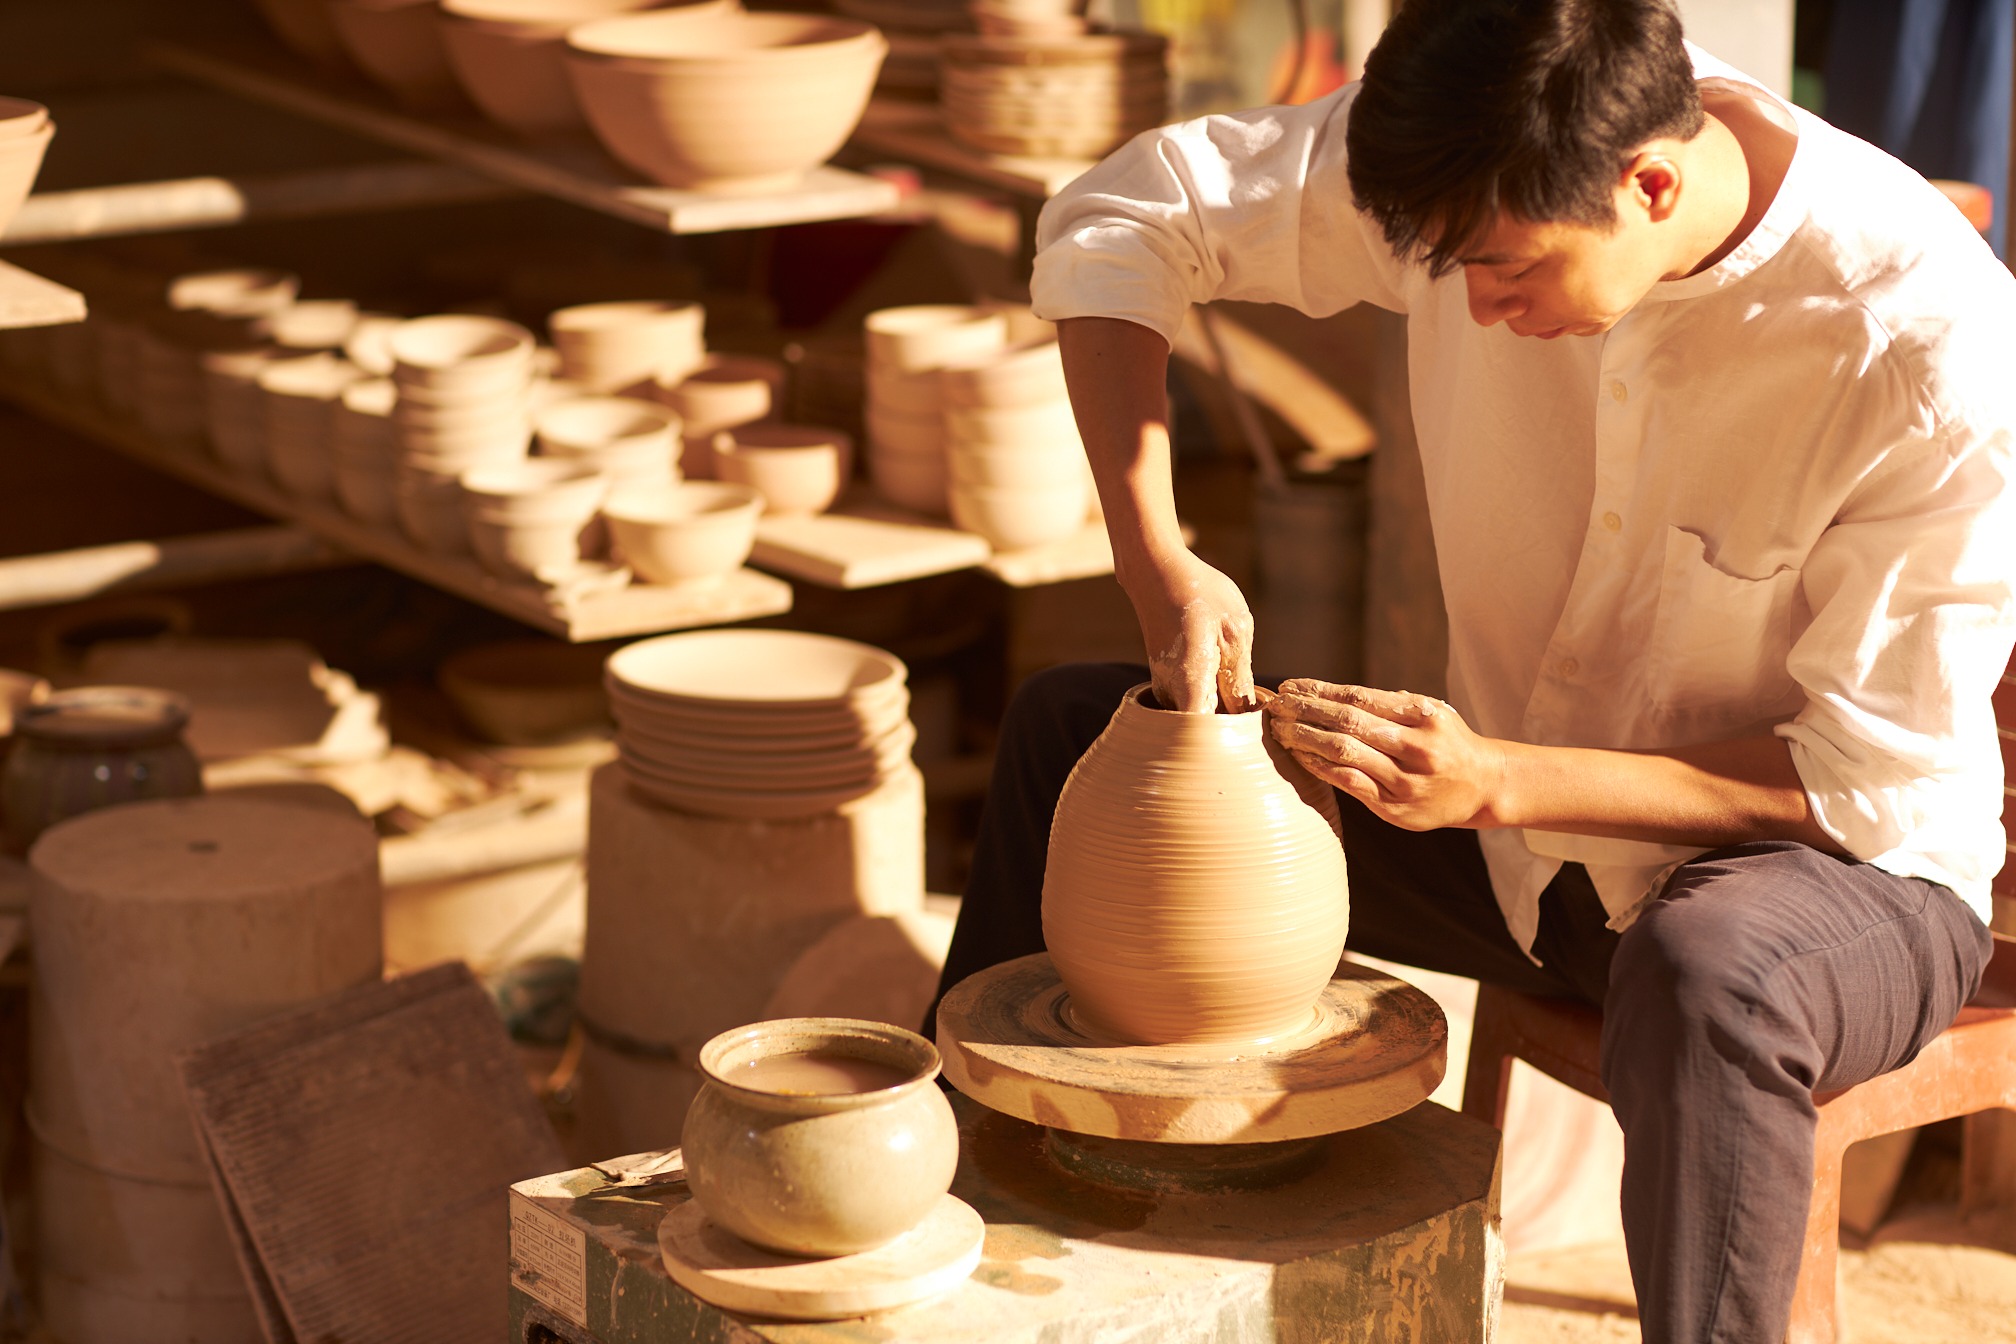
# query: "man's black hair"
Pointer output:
{"type": "Point", "coordinates": [1529, 108]}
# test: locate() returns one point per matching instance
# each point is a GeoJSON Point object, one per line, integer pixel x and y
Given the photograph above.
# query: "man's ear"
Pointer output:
{"type": "Point", "coordinates": [1650, 184]}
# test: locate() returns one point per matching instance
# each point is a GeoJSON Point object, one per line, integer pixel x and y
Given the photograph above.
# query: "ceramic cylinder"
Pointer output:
{"type": "Point", "coordinates": [1195, 887]}
{"type": "Point", "coordinates": [820, 1173]}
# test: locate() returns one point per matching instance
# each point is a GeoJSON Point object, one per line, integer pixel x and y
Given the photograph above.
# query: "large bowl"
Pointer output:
{"type": "Point", "coordinates": [726, 102]}
{"type": "Point", "coordinates": [508, 56]}
{"type": "Point", "coordinates": [396, 43]}
{"type": "Point", "coordinates": [691, 533]}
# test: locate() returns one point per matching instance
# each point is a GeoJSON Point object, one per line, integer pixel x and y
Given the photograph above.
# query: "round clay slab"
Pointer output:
{"type": "Point", "coordinates": [715, 1266]}
{"type": "Point", "coordinates": [1374, 1047]}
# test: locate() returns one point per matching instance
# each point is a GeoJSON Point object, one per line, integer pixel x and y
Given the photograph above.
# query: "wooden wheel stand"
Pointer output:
{"type": "Point", "coordinates": [1293, 1189]}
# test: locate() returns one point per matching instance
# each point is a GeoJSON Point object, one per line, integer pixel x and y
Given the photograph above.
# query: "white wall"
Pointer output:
{"type": "Point", "coordinates": [1755, 36]}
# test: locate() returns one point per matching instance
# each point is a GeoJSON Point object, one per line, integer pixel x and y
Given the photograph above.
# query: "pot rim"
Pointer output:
{"type": "Point", "coordinates": [43, 722]}
{"type": "Point", "coordinates": [859, 1038]}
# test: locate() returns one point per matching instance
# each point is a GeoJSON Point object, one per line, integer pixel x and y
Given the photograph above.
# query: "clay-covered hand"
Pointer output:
{"type": "Point", "coordinates": [1410, 758]}
{"type": "Point", "coordinates": [1199, 635]}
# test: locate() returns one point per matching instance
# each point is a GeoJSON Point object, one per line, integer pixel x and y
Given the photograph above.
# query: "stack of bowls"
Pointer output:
{"type": "Point", "coordinates": [234, 410]}
{"type": "Point", "coordinates": [1054, 97]}
{"type": "Point", "coordinates": [906, 413]}
{"type": "Point", "coordinates": [725, 392]}
{"type": "Point", "coordinates": [1019, 472]}
{"type": "Point", "coordinates": [724, 100]}
{"type": "Point", "coordinates": [629, 347]}
{"type": "Point", "coordinates": [464, 400]}
{"type": "Point", "coordinates": [300, 393]}
{"type": "Point", "coordinates": [25, 133]}
{"type": "Point", "coordinates": [758, 723]}
{"type": "Point", "coordinates": [508, 56]}
{"type": "Point", "coordinates": [1028, 18]}
{"type": "Point", "coordinates": [798, 469]}
{"type": "Point", "coordinates": [364, 451]}
{"type": "Point", "coordinates": [205, 313]}
{"type": "Point", "coordinates": [369, 344]}
{"type": "Point", "coordinates": [308, 325]}
{"type": "Point", "coordinates": [397, 43]}
{"type": "Point", "coordinates": [624, 438]}
{"type": "Point", "coordinates": [688, 533]}
{"type": "Point", "coordinates": [532, 519]}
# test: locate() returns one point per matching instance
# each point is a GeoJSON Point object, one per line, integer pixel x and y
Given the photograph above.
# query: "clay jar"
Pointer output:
{"type": "Point", "coordinates": [91, 747]}
{"type": "Point", "coordinates": [812, 1165]}
{"type": "Point", "coordinates": [1195, 888]}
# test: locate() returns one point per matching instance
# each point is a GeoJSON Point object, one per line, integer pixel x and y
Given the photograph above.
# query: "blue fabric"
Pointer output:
{"type": "Point", "coordinates": [1929, 81]}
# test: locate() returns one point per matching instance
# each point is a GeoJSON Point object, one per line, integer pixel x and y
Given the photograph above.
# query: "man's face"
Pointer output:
{"type": "Point", "coordinates": [1559, 279]}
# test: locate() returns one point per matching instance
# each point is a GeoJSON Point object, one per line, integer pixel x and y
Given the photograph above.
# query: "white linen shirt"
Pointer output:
{"type": "Point", "coordinates": [1774, 497]}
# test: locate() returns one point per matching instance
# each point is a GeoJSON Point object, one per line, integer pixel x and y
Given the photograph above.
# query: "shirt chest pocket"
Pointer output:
{"type": "Point", "coordinates": [1720, 640]}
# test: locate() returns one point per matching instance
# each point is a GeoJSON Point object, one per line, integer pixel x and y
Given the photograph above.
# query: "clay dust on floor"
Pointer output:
{"type": "Point", "coordinates": [1926, 1278]}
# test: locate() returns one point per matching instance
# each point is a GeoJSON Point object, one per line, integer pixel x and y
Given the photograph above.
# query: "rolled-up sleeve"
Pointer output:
{"type": "Point", "coordinates": [1252, 206]}
{"type": "Point", "coordinates": [1913, 594]}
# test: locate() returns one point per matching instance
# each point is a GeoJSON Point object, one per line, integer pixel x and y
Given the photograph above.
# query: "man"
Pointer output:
{"type": "Point", "coordinates": [1715, 412]}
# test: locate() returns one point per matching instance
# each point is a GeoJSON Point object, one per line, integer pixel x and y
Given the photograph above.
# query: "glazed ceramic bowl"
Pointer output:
{"type": "Point", "coordinates": [928, 336]}
{"type": "Point", "coordinates": [460, 356]}
{"type": "Point", "coordinates": [629, 346]}
{"type": "Point", "coordinates": [724, 101]}
{"type": "Point", "coordinates": [20, 160]}
{"type": "Point", "coordinates": [690, 533]}
{"type": "Point", "coordinates": [798, 469]}
{"type": "Point", "coordinates": [507, 54]}
{"type": "Point", "coordinates": [397, 44]}
{"type": "Point", "coordinates": [1016, 518]}
{"type": "Point", "coordinates": [826, 1160]}
{"type": "Point", "coordinates": [527, 692]}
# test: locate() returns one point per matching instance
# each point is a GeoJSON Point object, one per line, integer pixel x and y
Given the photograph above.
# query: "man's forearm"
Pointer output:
{"type": "Point", "coordinates": [1117, 372]}
{"type": "Point", "coordinates": [1720, 793]}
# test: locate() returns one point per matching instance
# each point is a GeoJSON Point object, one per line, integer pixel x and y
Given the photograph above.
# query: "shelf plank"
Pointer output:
{"type": "Point", "coordinates": [636, 609]}
{"type": "Point", "coordinates": [27, 300]}
{"type": "Point", "coordinates": [917, 134]}
{"type": "Point", "coordinates": [865, 543]}
{"type": "Point", "coordinates": [573, 169]}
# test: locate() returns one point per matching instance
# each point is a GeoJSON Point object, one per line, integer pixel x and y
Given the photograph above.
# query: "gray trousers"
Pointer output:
{"type": "Point", "coordinates": [1765, 972]}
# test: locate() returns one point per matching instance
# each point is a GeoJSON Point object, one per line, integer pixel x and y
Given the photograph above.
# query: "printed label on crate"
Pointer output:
{"type": "Point", "coordinates": [549, 1259]}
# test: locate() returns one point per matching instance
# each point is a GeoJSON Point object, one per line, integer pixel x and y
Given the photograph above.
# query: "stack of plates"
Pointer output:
{"type": "Point", "coordinates": [1061, 97]}
{"type": "Point", "coordinates": [759, 723]}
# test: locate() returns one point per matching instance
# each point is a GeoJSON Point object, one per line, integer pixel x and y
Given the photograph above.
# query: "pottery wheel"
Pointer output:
{"type": "Point", "coordinates": [1374, 1046]}
{"type": "Point", "coordinates": [717, 1266]}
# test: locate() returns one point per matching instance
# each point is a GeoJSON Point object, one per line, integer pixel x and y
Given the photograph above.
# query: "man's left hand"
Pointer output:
{"type": "Point", "coordinates": [1410, 758]}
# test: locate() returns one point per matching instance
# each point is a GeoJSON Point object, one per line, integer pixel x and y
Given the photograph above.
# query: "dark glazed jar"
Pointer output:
{"type": "Point", "coordinates": [92, 747]}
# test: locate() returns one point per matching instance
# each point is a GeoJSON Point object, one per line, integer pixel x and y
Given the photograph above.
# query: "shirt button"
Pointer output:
{"type": "Point", "coordinates": [1569, 667]}
{"type": "Point", "coordinates": [1618, 391]}
{"type": "Point", "coordinates": [1612, 523]}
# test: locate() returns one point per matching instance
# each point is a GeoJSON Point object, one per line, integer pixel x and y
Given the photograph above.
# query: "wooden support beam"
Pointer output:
{"type": "Point", "coordinates": [217, 202]}
{"type": "Point", "coordinates": [175, 562]}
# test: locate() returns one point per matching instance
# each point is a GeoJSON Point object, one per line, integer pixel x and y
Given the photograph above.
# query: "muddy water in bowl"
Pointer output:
{"type": "Point", "coordinates": [816, 1073]}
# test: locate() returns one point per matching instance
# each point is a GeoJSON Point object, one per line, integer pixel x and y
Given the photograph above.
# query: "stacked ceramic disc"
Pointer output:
{"type": "Point", "coordinates": [759, 723]}
{"type": "Point", "coordinates": [1056, 97]}
{"type": "Point", "coordinates": [906, 411]}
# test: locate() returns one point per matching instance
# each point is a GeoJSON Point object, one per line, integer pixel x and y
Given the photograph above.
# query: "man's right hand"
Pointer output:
{"type": "Point", "coordinates": [1199, 635]}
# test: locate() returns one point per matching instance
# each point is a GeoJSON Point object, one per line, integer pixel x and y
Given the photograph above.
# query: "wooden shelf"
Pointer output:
{"type": "Point", "coordinates": [30, 301]}
{"type": "Point", "coordinates": [866, 543]}
{"type": "Point", "coordinates": [916, 133]}
{"type": "Point", "coordinates": [574, 169]}
{"type": "Point", "coordinates": [637, 609]}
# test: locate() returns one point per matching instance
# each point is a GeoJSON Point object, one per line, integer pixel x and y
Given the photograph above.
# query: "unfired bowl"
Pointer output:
{"type": "Point", "coordinates": [1015, 519]}
{"type": "Point", "coordinates": [527, 692]}
{"type": "Point", "coordinates": [396, 43]}
{"type": "Point", "coordinates": [463, 356]}
{"type": "Point", "coordinates": [628, 439]}
{"type": "Point", "coordinates": [798, 469]}
{"type": "Point", "coordinates": [927, 336]}
{"type": "Point", "coordinates": [819, 1173]}
{"type": "Point", "coordinates": [1017, 376]}
{"type": "Point", "coordinates": [508, 56]}
{"type": "Point", "coordinates": [725, 392]}
{"type": "Point", "coordinates": [429, 508]}
{"type": "Point", "coordinates": [617, 347]}
{"type": "Point", "coordinates": [690, 533]}
{"type": "Point", "coordinates": [917, 481]}
{"type": "Point", "coordinates": [1020, 466]}
{"type": "Point", "coordinates": [726, 102]}
{"type": "Point", "coordinates": [20, 160]}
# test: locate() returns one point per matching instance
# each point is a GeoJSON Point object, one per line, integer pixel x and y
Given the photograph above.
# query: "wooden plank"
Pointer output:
{"type": "Point", "coordinates": [1085, 556]}
{"type": "Point", "coordinates": [173, 562]}
{"type": "Point", "coordinates": [580, 616]}
{"type": "Point", "coordinates": [574, 169]}
{"type": "Point", "coordinates": [28, 300]}
{"type": "Point", "coordinates": [864, 545]}
{"type": "Point", "coordinates": [366, 1145]}
{"type": "Point", "coordinates": [915, 133]}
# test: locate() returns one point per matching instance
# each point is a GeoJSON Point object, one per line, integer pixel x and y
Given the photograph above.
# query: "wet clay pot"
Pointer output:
{"type": "Point", "coordinates": [1195, 888]}
{"type": "Point", "coordinates": [819, 1136]}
